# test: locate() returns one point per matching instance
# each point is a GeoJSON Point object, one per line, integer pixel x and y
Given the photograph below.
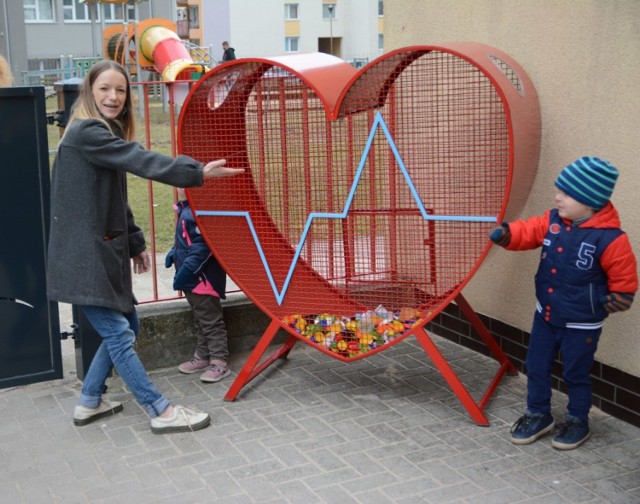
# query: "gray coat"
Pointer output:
{"type": "Point", "coordinates": [93, 234]}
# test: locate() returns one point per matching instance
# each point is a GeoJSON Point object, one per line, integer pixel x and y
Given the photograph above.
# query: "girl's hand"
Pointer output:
{"type": "Point", "coordinates": [216, 169]}
{"type": "Point", "coordinates": [141, 263]}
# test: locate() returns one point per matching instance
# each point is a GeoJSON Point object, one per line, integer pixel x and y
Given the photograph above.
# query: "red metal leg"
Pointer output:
{"type": "Point", "coordinates": [474, 408]}
{"type": "Point", "coordinates": [251, 368]}
{"type": "Point", "coordinates": [452, 378]}
{"type": "Point", "coordinates": [484, 333]}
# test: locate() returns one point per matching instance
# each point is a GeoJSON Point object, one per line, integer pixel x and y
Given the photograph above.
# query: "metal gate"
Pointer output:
{"type": "Point", "coordinates": [29, 325]}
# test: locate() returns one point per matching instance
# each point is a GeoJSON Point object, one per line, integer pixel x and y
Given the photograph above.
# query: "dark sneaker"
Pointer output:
{"type": "Point", "coordinates": [571, 434]}
{"type": "Point", "coordinates": [529, 428]}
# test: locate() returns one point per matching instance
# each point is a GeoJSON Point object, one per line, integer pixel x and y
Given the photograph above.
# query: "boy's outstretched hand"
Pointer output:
{"type": "Point", "coordinates": [617, 301]}
{"type": "Point", "coordinates": [501, 235]}
{"type": "Point", "coordinates": [217, 169]}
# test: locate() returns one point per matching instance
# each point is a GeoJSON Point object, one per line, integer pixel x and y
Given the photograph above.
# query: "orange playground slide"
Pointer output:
{"type": "Point", "coordinates": [154, 44]}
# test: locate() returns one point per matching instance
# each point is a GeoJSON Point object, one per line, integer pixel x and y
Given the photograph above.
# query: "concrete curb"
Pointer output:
{"type": "Point", "coordinates": [168, 331]}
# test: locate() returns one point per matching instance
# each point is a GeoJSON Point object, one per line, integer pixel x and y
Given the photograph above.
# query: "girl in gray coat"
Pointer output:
{"type": "Point", "coordinates": [94, 238]}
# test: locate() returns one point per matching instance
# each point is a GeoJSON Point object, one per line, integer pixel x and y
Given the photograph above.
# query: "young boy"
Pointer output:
{"type": "Point", "coordinates": [587, 271]}
{"type": "Point", "coordinates": [203, 282]}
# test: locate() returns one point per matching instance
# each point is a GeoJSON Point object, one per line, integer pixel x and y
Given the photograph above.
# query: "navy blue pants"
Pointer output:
{"type": "Point", "coordinates": [577, 348]}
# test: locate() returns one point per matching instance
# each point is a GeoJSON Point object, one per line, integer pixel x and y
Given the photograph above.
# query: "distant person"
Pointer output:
{"type": "Point", "coordinates": [229, 52]}
{"type": "Point", "coordinates": [203, 282]}
{"type": "Point", "coordinates": [6, 78]}
{"type": "Point", "coordinates": [94, 238]}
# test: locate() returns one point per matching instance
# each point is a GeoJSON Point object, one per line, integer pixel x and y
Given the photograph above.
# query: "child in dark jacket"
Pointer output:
{"type": "Point", "coordinates": [587, 271]}
{"type": "Point", "coordinates": [203, 282]}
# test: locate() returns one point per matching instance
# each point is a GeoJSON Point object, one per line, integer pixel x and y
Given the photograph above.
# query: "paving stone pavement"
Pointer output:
{"type": "Point", "coordinates": [311, 429]}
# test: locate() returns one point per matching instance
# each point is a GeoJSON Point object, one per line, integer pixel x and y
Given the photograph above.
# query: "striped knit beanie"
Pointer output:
{"type": "Point", "coordinates": [589, 180]}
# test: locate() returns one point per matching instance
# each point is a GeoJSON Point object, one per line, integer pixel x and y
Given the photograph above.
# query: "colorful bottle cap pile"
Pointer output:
{"type": "Point", "coordinates": [361, 333]}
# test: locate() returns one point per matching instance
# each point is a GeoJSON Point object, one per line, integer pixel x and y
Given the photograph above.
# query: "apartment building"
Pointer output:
{"type": "Point", "coordinates": [55, 28]}
{"type": "Point", "coordinates": [52, 30]}
{"type": "Point", "coordinates": [350, 29]}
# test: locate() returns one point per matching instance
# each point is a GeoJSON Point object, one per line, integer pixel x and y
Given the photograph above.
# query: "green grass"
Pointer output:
{"type": "Point", "coordinates": [163, 213]}
{"type": "Point", "coordinates": [162, 195]}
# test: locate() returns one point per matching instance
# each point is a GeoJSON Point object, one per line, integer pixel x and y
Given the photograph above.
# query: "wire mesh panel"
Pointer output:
{"type": "Point", "coordinates": [368, 195]}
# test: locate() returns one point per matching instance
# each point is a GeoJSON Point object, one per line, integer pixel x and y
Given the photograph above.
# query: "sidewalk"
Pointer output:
{"type": "Point", "coordinates": [311, 429]}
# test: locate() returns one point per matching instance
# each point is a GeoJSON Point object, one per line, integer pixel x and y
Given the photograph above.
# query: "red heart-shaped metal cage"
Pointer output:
{"type": "Point", "coordinates": [366, 192]}
{"type": "Point", "coordinates": [368, 195]}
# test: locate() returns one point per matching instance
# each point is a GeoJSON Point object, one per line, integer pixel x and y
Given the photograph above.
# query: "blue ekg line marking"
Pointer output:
{"type": "Point", "coordinates": [378, 122]}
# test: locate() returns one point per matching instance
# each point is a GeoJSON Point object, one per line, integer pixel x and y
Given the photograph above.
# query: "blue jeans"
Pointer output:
{"type": "Point", "coordinates": [118, 331]}
{"type": "Point", "coordinates": [577, 347]}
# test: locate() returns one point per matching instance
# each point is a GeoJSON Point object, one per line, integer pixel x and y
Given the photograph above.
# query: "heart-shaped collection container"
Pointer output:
{"type": "Point", "coordinates": [368, 194]}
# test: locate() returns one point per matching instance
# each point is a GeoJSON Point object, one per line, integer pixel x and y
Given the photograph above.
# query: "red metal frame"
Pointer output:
{"type": "Point", "coordinates": [482, 144]}
{"type": "Point", "coordinates": [253, 366]}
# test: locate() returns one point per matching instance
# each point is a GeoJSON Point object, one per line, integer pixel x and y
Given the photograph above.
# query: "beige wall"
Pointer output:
{"type": "Point", "coordinates": [584, 59]}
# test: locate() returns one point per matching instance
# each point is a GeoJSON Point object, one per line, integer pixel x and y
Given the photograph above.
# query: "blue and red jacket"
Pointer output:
{"type": "Point", "coordinates": [579, 264]}
{"type": "Point", "coordinates": [196, 268]}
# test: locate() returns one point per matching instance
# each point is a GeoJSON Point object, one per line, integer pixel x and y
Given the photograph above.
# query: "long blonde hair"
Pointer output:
{"type": "Point", "coordinates": [6, 78]}
{"type": "Point", "coordinates": [85, 106]}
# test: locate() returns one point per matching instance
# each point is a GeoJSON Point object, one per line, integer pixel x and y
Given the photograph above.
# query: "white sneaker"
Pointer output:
{"type": "Point", "coordinates": [83, 415]}
{"type": "Point", "coordinates": [183, 420]}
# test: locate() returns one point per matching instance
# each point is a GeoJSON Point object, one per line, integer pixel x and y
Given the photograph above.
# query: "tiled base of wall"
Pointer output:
{"type": "Point", "coordinates": [614, 392]}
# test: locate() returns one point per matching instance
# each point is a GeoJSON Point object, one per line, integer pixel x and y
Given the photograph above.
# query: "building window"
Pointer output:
{"type": "Point", "coordinates": [290, 11]}
{"type": "Point", "coordinates": [380, 8]}
{"type": "Point", "coordinates": [381, 41]}
{"type": "Point", "coordinates": [73, 10]}
{"type": "Point", "coordinates": [114, 13]}
{"type": "Point", "coordinates": [291, 44]}
{"type": "Point", "coordinates": [194, 17]}
{"type": "Point", "coordinates": [76, 10]}
{"type": "Point", "coordinates": [329, 11]}
{"type": "Point", "coordinates": [38, 10]}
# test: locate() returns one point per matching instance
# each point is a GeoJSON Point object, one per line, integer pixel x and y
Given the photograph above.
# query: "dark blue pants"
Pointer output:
{"type": "Point", "coordinates": [577, 348]}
